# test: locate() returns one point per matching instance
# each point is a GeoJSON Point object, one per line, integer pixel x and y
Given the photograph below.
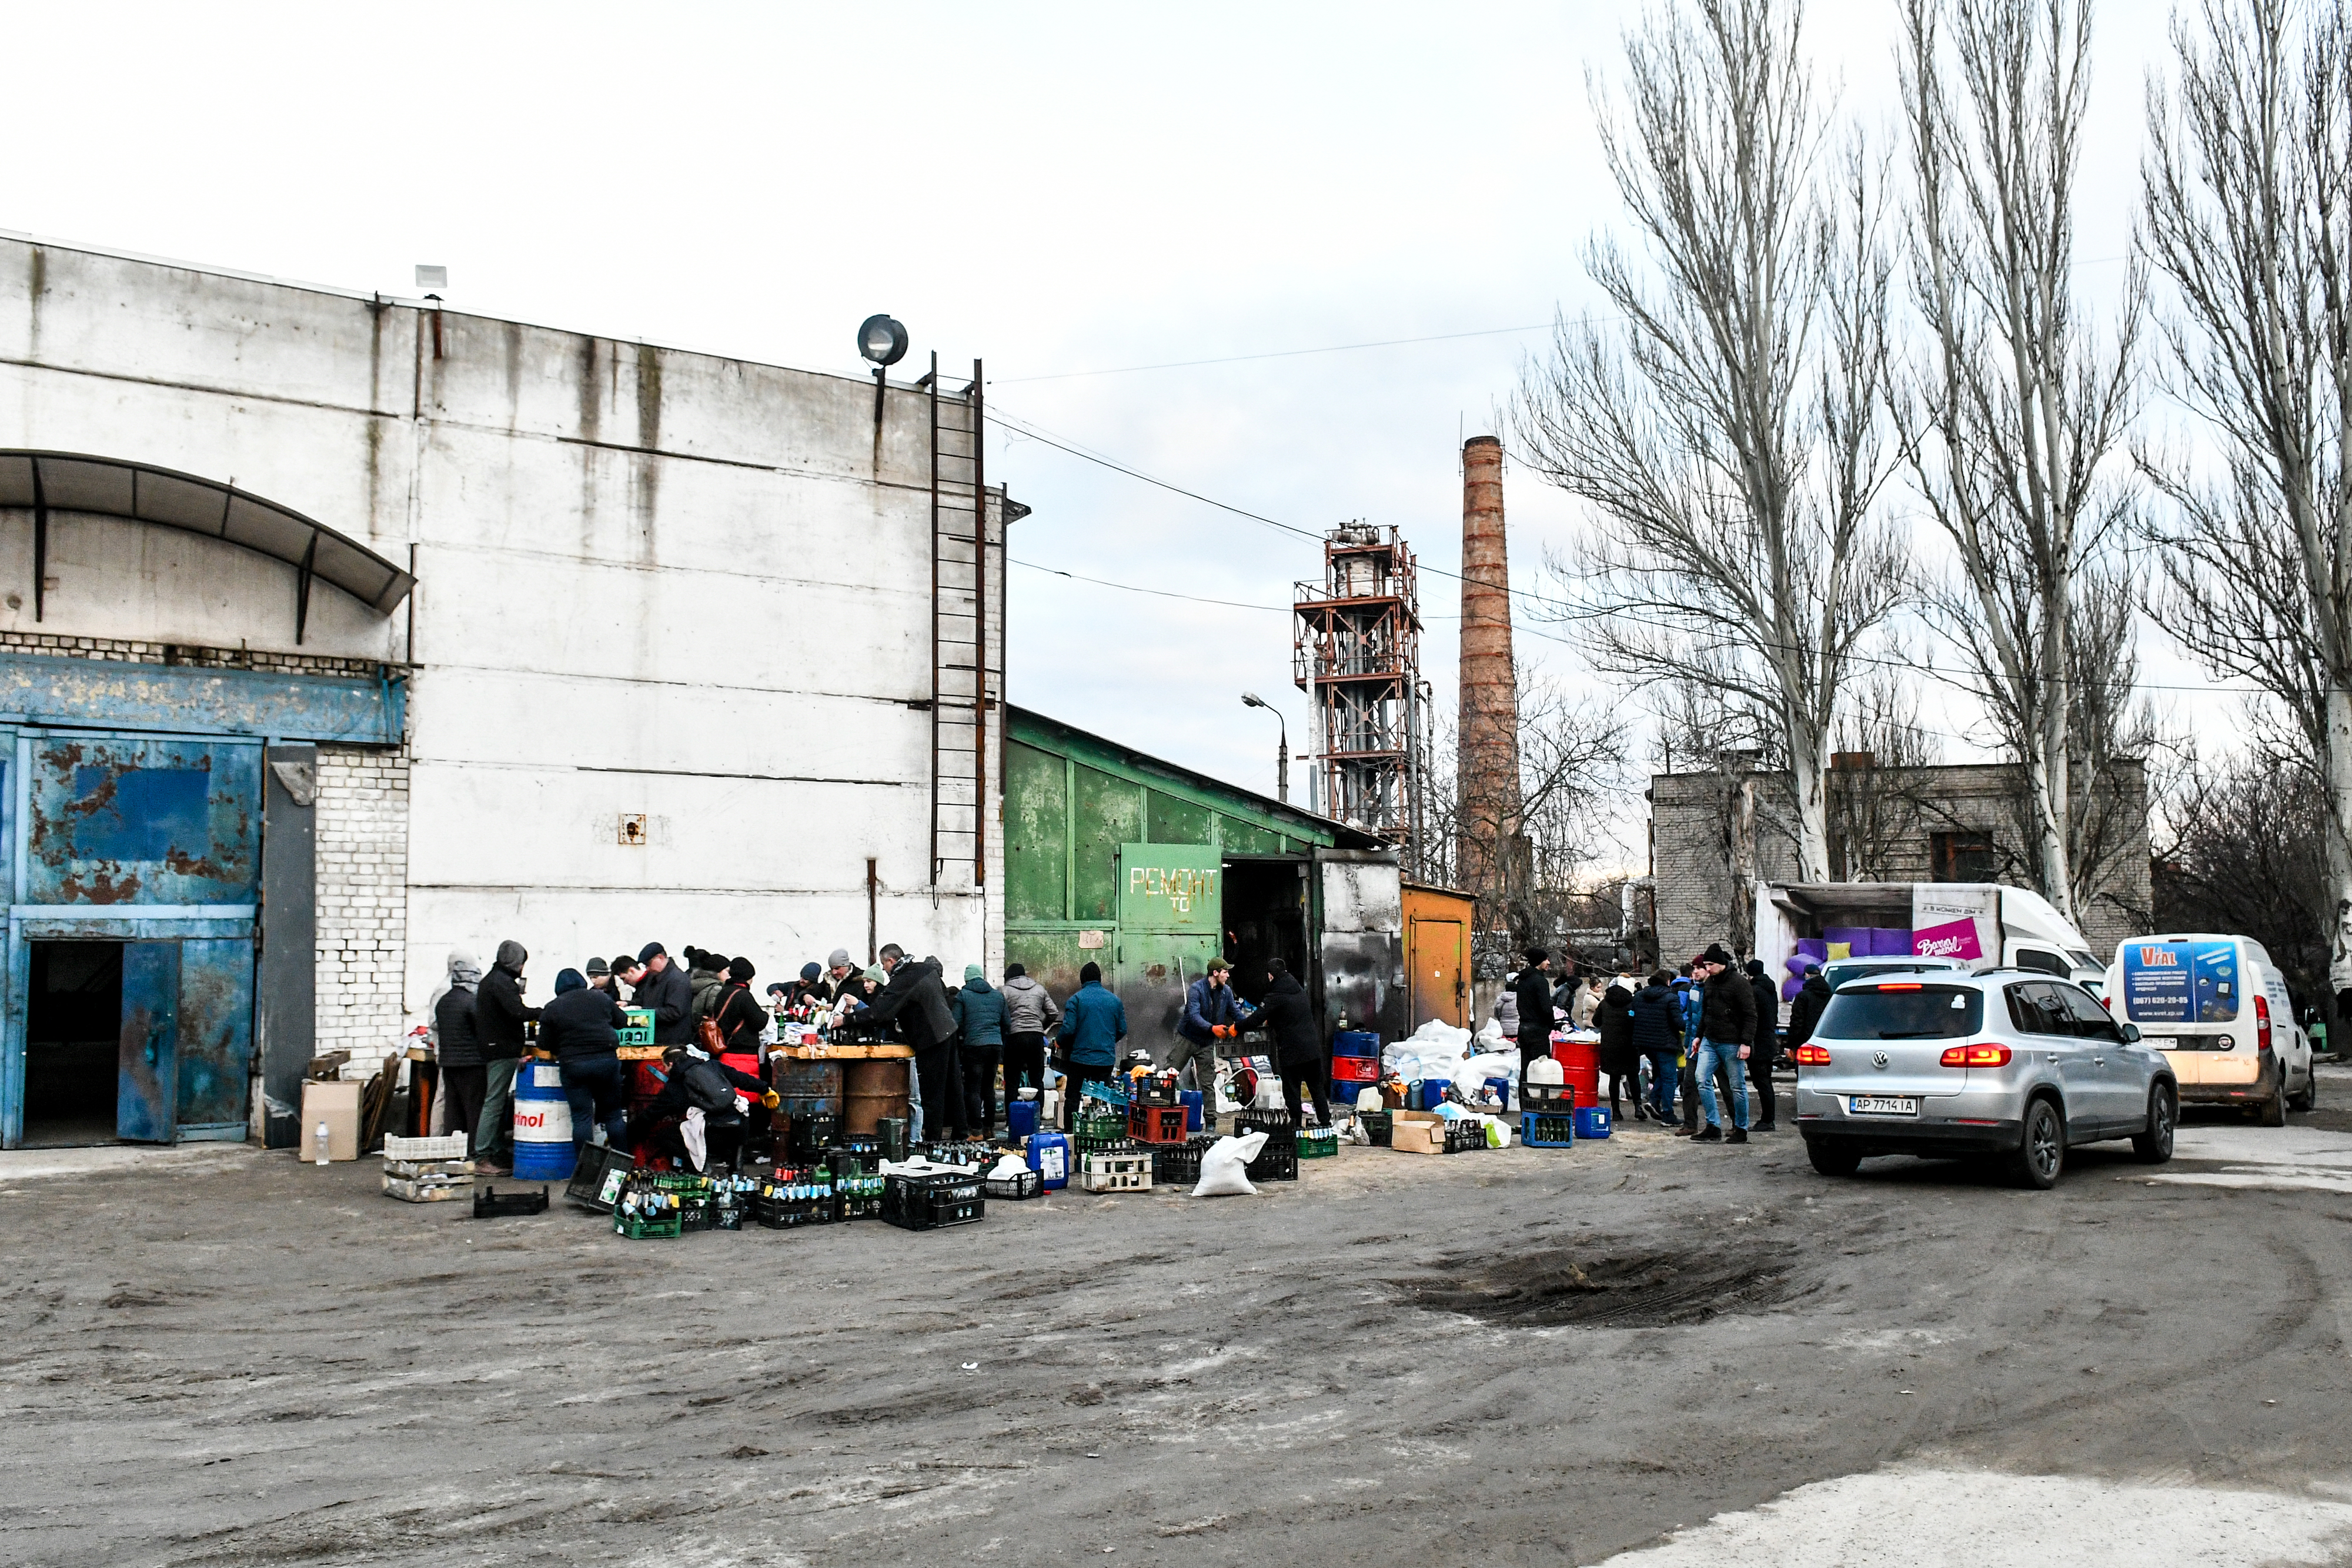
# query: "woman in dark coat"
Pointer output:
{"type": "Point", "coordinates": [1287, 1018]}
{"type": "Point", "coordinates": [1619, 1059]}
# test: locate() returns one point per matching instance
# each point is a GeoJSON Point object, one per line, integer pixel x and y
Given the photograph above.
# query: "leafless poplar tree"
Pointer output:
{"type": "Point", "coordinates": [2248, 186]}
{"type": "Point", "coordinates": [1728, 433]}
{"type": "Point", "coordinates": [2009, 421]}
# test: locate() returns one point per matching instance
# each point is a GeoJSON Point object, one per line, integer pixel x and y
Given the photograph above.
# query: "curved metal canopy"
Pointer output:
{"type": "Point", "coordinates": [76, 482]}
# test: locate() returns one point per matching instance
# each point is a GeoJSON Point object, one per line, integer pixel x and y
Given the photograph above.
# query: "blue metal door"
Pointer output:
{"type": "Point", "coordinates": [215, 1036]}
{"type": "Point", "coordinates": [147, 1085]}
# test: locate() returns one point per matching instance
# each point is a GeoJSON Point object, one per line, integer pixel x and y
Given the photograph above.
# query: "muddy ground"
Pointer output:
{"type": "Point", "coordinates": [1519, 1358]}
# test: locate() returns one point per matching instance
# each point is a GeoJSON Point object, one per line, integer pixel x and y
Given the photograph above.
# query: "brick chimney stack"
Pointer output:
{"type": "Point", "coordinates": [1487, 720]}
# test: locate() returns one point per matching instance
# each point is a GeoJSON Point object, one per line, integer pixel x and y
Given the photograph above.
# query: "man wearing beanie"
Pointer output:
{"type": "Point", "coordinates": [1029, 1012]}
{"type": "Point", "coordinates": [1532, 992]}
{"type": "Point", "coordinates": [842, 979]}
{"type": "Point", "coordinates": [1727, 1032]}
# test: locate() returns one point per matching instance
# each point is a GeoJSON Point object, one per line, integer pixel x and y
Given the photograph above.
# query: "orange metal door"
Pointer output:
{"type": "Point", "coordinates": [1441, 987]}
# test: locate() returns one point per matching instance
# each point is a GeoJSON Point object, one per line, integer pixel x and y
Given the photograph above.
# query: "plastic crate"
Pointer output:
{"type": "Point", "coordinates": [1125, 1170]}
{"type": "Point", "coordinates": [1027, 1183]}
{"type": "Point", "coordinates": [930, 1202]}
{"type": "Point", "coordinates": [597, 1180]}
{"type": "Point", "coordinates": [790, 1213]}
{"type": "Point", "coordinates": [1275, 1162]}
{"type": "Point", "coordinates": [1379, 1126]}
{"type": "Point", "coordinates": [1593, 1120]}
{"type": "Point", "coordinates": [1319, 1144]}
{"type": "Point", "coordinates": [811, 1136]}
{"type": "Point", "coordinates": [1354, 1070]}
{"type": "Point", "coordinates": [427, 1190]}
{"type": "Point", "coordinates": [1547, 1129]}
{"type": "Point", "coordinates": [1123, 1144]}
{"type": "Point", "coordinates": [1104, 1126]}
{"type": "Point", "coordinates": [846, 1209]}
{"type": "Point", "coordinates": [1464, 1135]}
{"type": "Point", "coordinates": [1355, 1042]}
{"type": "Point", "coordinates": [1279, 1129]}
{"type": "Point", "coordinates": [489, 1203]}
{"type": "Point", "coordinates": [424, 1151]}
{"type": "Point", "coordinates": [660, 1227]}
{"type": "Point", "coordinates": [1179, 1164]}
{"type": "Point", "coordinates": [1552, 1099]}
{"type": "Point", "coordinates": [1156, 1123]}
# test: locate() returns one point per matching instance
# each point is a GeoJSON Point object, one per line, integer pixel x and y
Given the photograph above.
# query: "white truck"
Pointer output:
{"type": "Point", "coordinates": [1981, 925]}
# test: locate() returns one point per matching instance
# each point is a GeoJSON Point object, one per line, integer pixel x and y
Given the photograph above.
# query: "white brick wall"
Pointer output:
{"type": "Point", "coordinates": [362, 914]}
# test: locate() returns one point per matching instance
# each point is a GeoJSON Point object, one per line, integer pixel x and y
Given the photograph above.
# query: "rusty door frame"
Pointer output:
{"type": "Point", "coordinates": [30, 922]}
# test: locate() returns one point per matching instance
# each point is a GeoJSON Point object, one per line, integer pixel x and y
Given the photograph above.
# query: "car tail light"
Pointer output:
{"type": "Point", "coordinates": [2262, 1021]}
{"type": "Point", "coordinates": [1986, 1055]}
{"type": "Point", "coordinates": [1904, 986]}
{"type": "Point", "coordinates": [1812, 1056]}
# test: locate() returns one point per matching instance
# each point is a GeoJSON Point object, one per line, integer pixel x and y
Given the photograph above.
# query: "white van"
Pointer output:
{"type": "Point", "coordinates": [2217, 1008]}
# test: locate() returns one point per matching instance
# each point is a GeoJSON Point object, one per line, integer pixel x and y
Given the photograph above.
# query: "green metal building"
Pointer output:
{"type": "Point", "coordinates": [1150, 869]}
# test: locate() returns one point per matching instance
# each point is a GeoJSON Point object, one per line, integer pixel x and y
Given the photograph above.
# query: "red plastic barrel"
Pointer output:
{"type": "Point", "coordinates": [1579, 1066]}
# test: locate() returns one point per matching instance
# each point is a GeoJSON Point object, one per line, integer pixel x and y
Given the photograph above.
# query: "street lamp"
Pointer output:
{"type": "Point", "coordinates": [883, 343]}
{"type": "Point", "coordinates": [1282, 755]}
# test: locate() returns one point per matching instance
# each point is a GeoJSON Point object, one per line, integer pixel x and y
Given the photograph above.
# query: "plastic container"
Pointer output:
{"type": "Point", "coordinates": [1593, 1120]}
{"type": "Point", "coordinates": [1427, 1094]}
{"type": "Point", "coordinates": [1192, 1112]}
{"type": "Point", "coordinates": [1021, 1118]}
{"type": "Point", "coordinates": [542, 1124]}
{"type": "Point", "coordinates": [1049, 1157]}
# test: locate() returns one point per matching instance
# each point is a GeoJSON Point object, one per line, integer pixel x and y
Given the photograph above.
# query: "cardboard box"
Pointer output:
{"type": "Point", "coordinates": [337, 1103]}
{"type": "Point", "coordinates": [1417, 1133]}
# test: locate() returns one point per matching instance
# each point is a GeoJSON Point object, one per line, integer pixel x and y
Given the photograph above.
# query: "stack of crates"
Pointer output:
{"type": "Point", "coordinates": [427, 1170]}
{"type": "Point", "coordinates": [1116, 1170]}
{"type": "Point", "coordinates": [1355, 1064]}
{"type": "Point", "coordinates": [1278, 1160]}
{"type": "Point", "coordinates": [1179, 1164]}
{"type": "Point", "coordinates": [856, 1182]}
{"type": "Point", "coordinates": [1097, 1131]}
{"type": "Point", "coordinates": [793, 1197]}
{"type": "Point", "coordinates": [933, 1202]}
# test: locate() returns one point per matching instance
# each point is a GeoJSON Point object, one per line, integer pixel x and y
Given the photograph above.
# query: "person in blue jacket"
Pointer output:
{"type": "Point", "coordinates": [1210, 1015]}
{"type": "Point", "coordinates": [1094, 1021]}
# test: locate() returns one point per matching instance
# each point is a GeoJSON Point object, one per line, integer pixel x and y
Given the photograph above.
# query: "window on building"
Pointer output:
{"type": "Point", "coordinates": [1962, 857]}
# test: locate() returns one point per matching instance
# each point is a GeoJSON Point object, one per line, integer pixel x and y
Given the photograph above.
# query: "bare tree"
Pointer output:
{"type": "Point", "coordinates": [2007, 425]}
{"type": "Point", "coordinates": [2249, 187]}
{"type": "Point", "coordinates": [1730, 434]}
{"type": "Point", "coordinates": [1571, 753]}
{"type": "Point", "coordinates": [1875, 810]}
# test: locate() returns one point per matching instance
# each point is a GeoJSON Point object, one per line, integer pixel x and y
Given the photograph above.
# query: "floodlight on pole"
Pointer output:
{"type": "Point", "coordinates": [1282, 752]}
{"type": "Point", "coordinates": [882, 341]}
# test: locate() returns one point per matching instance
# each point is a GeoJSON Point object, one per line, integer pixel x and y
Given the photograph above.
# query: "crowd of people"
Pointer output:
{"type": "Point", "coordinates": [714, 1033]}
{"type": "Point", "coordinates": [1706, 1036]}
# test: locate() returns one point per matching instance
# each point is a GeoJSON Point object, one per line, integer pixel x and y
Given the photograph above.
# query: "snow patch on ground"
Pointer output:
{"type": "Point", "coordinates": [1933, 1517]}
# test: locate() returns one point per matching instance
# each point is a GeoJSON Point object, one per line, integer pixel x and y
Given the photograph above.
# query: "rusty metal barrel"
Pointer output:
{"type": "Point", "coordinates": [873, 1091]}
{"type": "Point", "coordinates": [806, 1088]}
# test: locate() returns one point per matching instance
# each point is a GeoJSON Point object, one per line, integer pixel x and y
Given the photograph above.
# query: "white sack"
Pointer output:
{"type": "Point", "coordinates": [1224, 1169]}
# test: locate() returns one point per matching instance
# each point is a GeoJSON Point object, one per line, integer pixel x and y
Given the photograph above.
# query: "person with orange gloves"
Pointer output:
{"type": "Point", "coordinates": [1211, 1014]}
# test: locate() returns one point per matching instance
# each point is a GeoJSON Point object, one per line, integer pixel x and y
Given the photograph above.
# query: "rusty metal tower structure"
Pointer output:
{"type": "Point", "coordinates": [1357, 655]}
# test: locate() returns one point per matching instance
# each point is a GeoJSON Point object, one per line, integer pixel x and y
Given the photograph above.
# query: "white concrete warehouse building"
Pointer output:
{"type": "Point", "coordinates": [342, 631]}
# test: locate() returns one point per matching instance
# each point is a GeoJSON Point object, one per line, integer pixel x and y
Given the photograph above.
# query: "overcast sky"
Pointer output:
{"type": "Point", "coordinates": [1063, 192]}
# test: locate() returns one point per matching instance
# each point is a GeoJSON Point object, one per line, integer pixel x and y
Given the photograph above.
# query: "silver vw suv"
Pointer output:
{"type": "Point", "coordinates": [2009, 1063]}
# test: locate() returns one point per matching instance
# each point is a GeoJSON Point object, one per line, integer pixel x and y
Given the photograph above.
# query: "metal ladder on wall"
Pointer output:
{"type": "Point", "coordinates": [965, 679]}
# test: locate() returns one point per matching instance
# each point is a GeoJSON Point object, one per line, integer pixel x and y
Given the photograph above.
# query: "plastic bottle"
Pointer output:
{"type": "Point", "coordinates": [322, 1142]}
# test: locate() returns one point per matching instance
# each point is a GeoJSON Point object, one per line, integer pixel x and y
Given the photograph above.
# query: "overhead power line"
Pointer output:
{"type": "Point", "coordinates": [1279, 354]}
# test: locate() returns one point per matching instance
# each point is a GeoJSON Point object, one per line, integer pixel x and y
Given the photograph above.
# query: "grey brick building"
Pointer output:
{"type": "Point", "coordinates": [1713, 834]}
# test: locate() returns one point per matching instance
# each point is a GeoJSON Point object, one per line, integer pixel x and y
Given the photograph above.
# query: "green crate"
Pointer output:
{"type": "Point", "coordinates": [1319, 1144]}
{"type": "Point", "coordinates": [1109, 1126]}
{"type": "Point", "coordinates": [641, 1026]}
{"type": "Point", "coordinates": [649, 1227]}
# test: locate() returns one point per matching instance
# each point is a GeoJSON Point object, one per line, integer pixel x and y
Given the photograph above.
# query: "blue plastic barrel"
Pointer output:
{"type": "Point", "coordinates": [542, 1124]}
{"type": "Point", "coordinates": [1191, 1100]}
{"type": "Point", "coordinates": [1020, 1117]}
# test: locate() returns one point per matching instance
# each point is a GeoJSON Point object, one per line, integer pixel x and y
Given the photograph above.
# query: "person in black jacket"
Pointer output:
{"type": "Point", "coordinates": [458, 1048]}
{"type": "Point", "coordinates": [1287, 1020]}
{"type": "Point", "coordinates": [1726, 1036]}
{"type": "Point", "coordinates": [498, 1018]}
{"type": "Point", "coordinates": [582, 1025]}
{"type": "Point", "coordinates": [662, 988]}
{"type": "Point", "coordinates": [1658, 1035]}
{"type": "Point", "coordinates": [915, 1001]}
{"type": "Point", "coordinates": [1805, 1012]}
{"type": "Point", "coordinates": [696, 1083]}
{"type": "Point", "coordinates": [1533, 994]}
{"type": "Point", "coordinates": [1768, 1044]}
{"type": "Point", "coordinates": [1614, 1021]}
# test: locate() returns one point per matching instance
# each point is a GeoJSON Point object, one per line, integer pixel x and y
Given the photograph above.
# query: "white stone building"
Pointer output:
{"type": "Point", "coordinates": [689, 655]}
